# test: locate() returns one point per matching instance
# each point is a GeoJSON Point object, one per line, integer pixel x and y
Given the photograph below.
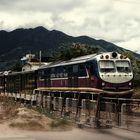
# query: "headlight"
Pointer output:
{"type": "Point", "coordinates": [114, 54]}
{"type": "Point", "coordinates": [130, 83]}
{"type": "Point", "coordinates": [107, 56]}
{"type": "Point", "coordinates": [103, 84]}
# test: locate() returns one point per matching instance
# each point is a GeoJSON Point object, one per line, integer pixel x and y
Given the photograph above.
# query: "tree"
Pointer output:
{"type": "Point", "coordinates": [136, 67]}
{"type": "Point", "coordinates": [67, 52]}
{"type": "Point", "coordinates": [17, 67]}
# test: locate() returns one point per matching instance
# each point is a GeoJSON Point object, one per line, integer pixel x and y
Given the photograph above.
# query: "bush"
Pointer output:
{"type": "Point", "coordinates": [31, 125]}
{"type": "Point", "coordinates": [59, 123]}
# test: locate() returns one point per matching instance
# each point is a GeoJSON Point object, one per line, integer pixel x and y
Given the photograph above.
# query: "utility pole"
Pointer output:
{"type": "Point", "coordinates": [40, 56]}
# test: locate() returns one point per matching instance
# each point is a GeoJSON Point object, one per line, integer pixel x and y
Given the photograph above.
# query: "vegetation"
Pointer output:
{"type": "Point", "coordinates": [31, 125]}
{"type": "Point", "coordinates": [67, 52]}
{"type": "Point", "coordinates": [17, 67]}
{"type": "Point", "coordinates": [59, 123]}
{"type": "Point", "coordinates": [17, 116]}
{"type": "Point", "coordinates": [9, 108]}
{"type": "Point", "coordinates": [137, 74]}
{"type": "Point", "coordinates": [136, 68]}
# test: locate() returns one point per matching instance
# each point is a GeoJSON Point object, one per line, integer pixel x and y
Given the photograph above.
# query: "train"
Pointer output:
{"type": "Point", "coordinates": [109, 73]}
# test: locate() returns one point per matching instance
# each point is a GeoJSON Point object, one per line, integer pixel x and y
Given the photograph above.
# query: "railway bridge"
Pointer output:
{"type": "Point", "coordinates": [85, 107]}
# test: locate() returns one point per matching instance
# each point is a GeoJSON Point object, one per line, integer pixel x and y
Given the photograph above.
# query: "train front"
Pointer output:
{"type": "Point", "coordinates": [116, 74]}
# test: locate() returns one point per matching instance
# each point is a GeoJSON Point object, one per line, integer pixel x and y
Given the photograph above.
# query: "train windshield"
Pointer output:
{"type": "Point", "coordinates": [123, 66]}
{"type": "Point", "coordinates": [107, 66]}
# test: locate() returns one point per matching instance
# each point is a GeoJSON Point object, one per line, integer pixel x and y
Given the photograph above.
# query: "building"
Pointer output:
{"type": "Point", "coordinates": [32, 66]}
{"type": "Point", "coordinates": [30, 63]}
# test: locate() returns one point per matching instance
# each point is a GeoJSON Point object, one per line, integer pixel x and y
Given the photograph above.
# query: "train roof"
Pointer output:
{"type": "Point", "coordinates": [80, 59]}
{"type": "Point", "coordinates": [83, 59]}
{"type": "Point", "coordinates": [16, 73]}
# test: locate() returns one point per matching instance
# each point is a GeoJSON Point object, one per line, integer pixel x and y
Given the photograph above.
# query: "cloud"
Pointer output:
{"type": "Point", "coordinates": [25, 21]}
{"type": "Point", "coordinates": [1, 24]}
{"type": "Point", "coordinates": [39, 5]}
{"type": "Point", "coordinates": [117, 21]}
{"type": "Point", "coordinates": [132, 44]}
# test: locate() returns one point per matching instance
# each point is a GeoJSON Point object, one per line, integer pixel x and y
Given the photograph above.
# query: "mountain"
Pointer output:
{"type": "Point", "coordinates": [19, 42]}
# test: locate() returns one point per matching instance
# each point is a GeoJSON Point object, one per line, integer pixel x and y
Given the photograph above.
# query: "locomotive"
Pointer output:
{"type": "Point", "coordinates": [109, 73]}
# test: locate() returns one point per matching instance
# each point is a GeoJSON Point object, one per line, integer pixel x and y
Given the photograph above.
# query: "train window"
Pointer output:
{"type": "Point", "coordinates": [82, 70]}
{"type": "Point", "coordinates": [53, 73]}
{"type": "Point", "coordinates": [65, 72]}
{"type": "Point", "coordinates": [59, 72]}
{"type": "Point", "coordinates": [107, 66]}
{"type": "Point", "coordinates": [47, 73]}
{"type": "Point", "coordinates": [123, 66]}
{"type": "Point", "coordinates": [90, 68]}
{"type": "Point", "coordinates": [41, 74]}
{"type": "Point", "coordinates": [75, 68]}
{"type": "Point", "coordinates": [70, 71]}
{"type": "Point", "coordinates": [52, 70]}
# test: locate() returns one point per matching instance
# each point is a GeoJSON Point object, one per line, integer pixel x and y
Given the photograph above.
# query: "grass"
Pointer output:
{"type": "Point", "coordinates": [30, 125]}
{"type": "Point", "coordinates": [9, 108]}
{"type": "Point", "coordinates": [59, 123]}
{"type": "Point", "coordinates": [34, 121]}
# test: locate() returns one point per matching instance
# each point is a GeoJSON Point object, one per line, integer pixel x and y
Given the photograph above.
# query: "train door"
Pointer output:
{"type": "Point", "coordinates": [92, 72]}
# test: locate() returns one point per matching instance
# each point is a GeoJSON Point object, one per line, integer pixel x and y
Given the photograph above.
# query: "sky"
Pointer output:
{"type": "Point", "coordinates": [116, 21]}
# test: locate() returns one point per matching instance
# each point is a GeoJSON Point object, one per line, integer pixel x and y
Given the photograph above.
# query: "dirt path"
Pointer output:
{"type": "Point", "coordinates": [74, 134]}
